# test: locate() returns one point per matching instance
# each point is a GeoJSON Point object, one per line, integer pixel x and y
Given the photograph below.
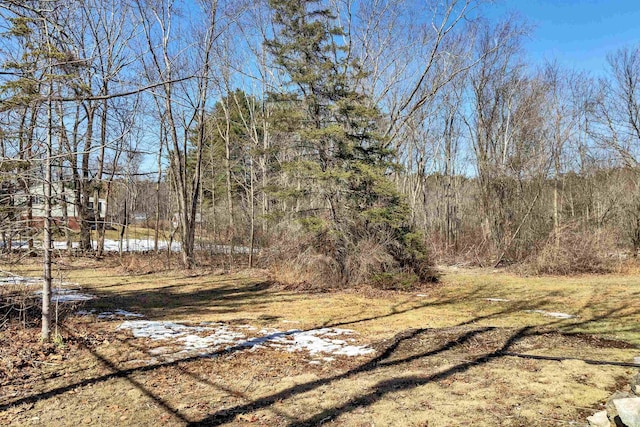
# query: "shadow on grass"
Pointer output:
{"type": "Point", "coordinates": [233, 298]}
{"type": "Point", "coordinates": [230, 295]}
{"type": "Point", "coordinates": [188, 300]}
{"type": "Point", "coordinates": [226, 295]}
{"type": "Point", "coordinates": [396, 384]}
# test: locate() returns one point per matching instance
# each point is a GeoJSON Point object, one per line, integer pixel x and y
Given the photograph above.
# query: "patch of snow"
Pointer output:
{"type": "Point", "coordinates": [316, 341]}
{"type": "Point", "coordinates": [19, 280]}
{"type": "Point", "coordinates": [221, 336]}
{"type": "Point", "coordinates": [148, 245]}
{"type": "Point", "coordinates": [68, 295]}
{"type": "Point", "coordinates": [16, 244]}
{"type": "Point", "coordinates": [422, 295]}
{"type": "Point", "coordinates": [128, 245]}
{"type": "Point", "coordinates": [157, 330]}
{"type": "Point", "coordinates": [135, 245]}
{"type": "Point", "coordinates": [556, 314]}
{"type": "Point", "coordinates": [58, 294]}
{"type": "Point", "coordinates": [214, 337]}
{"type": "Point", "coordinates": [62, 246]}
{"type": "Point", "coordinates": [497, 299]}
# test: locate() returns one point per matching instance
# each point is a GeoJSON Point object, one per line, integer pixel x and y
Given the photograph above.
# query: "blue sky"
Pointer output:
{"type": "Point", "coordinates": [576, 33]}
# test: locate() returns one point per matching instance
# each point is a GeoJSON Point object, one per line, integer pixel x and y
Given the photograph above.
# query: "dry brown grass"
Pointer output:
{"type": "Point", "coordinates": [136, 263]}
{"type": "Point", "coordinates": [314, 271]}
{"type": "Point", "coordinates": [18, 304]}
{"type": "Point", "coordinates": [574, 252]}
{"type": "Point", "coordinates": [444, 355]}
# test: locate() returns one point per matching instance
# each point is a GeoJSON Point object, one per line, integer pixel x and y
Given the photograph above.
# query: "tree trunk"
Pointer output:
{"type": "Point", "coordinates": [84, 212]}
{"type": "Point", "coordinates": [99, 221]}
{"type": "Point", "coordinates": [47, 262]}
{"type": "Point", "coordinates": [252, 215]}
{"type": "Point", "coordinates": [556, 220]}
{"type": "Point", "coordinates": [227, 170]}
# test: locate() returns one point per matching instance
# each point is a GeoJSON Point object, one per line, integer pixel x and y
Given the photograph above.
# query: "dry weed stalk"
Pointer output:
{"type": "Point", "coordinates": [574, 251]}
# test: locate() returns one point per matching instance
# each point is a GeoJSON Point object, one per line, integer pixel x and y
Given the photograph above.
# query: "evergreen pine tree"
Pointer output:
{"type": "Point", "coordinates": [342, 159]}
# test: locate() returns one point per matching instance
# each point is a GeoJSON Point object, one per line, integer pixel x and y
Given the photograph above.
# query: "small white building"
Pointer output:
{"type": "Point", "coordinates": [59, 195]}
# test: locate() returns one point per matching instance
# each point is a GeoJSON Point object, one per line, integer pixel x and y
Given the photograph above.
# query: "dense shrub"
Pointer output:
{"type": "Point", "coordinates": [18, 303]}
{"type": "Point", "coordinates": [323, 261]}
{"type": "Point", "coordinates": [574, 251]}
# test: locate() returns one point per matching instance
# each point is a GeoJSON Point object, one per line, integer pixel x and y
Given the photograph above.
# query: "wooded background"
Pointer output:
{"type": "Point", "coordinates": [361, 138]}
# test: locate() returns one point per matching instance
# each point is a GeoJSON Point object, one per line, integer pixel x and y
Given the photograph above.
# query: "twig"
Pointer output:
{"type": "Point", "coordinates": [38, 362]}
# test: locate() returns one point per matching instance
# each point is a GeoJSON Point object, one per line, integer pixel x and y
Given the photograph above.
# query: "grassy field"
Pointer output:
{"type": "Point", "coordinates": [133, 232]}
{"type": "Point", "coordinates": [479, 348]}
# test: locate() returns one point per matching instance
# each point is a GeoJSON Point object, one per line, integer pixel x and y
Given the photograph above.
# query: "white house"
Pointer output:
{"type": "Point", "coordinates": [59, 194]}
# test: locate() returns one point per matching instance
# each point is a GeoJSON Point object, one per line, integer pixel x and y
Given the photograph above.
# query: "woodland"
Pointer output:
{"type": "Point", "coordinates": [338, 142]}
{"type": "Point", "coordinates": [198, 197]}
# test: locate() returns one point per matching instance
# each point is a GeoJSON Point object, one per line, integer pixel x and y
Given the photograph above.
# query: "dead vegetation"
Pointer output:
{"type": "Point", "coordinates": [18, 304]}
{"type": "Point", "coordinates": [574, 251]}
{"type": "Point", "coordinates": [443, 356]}
{"type": "Point", "coordinates": [314, 263]}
